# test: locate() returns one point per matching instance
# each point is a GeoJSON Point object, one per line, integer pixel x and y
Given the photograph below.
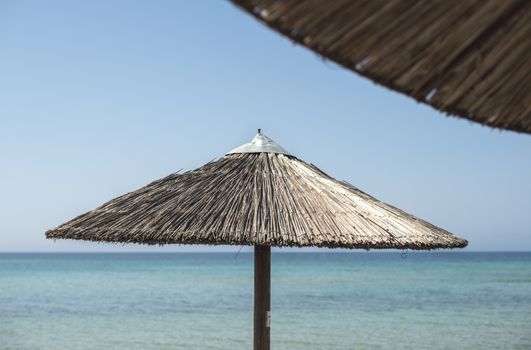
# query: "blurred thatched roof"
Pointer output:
{"type": "Point", "coordinates": [468, 58]}
{"type": "Point", "coordinates": [248, 198]}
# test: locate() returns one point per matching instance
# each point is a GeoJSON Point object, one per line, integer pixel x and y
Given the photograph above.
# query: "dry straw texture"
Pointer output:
{"type": "Point", "coordinates": [468, 58]}
{"type": "Point", "coordinates": [255, 199]}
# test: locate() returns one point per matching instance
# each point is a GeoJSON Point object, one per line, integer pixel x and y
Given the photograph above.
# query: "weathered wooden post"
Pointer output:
{"type": "Point", "coordinates": [262, 296]}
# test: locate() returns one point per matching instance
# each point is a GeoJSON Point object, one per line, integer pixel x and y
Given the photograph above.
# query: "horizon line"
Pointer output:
{"type": "Point", "coordinates": [333, 251]}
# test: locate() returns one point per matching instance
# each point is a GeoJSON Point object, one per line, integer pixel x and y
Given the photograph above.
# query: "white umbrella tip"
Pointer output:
{"type": "Point", "coordinates": [260, 144]}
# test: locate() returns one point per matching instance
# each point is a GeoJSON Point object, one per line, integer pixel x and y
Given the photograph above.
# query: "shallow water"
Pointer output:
{"type": "Point", "coordinates": [319, 301]}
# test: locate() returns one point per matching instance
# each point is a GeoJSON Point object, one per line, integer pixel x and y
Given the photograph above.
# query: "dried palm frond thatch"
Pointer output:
{"type": "Point", "coordinates": [246, 198]}
{"type": "Point", "coordinates": [468, 58]}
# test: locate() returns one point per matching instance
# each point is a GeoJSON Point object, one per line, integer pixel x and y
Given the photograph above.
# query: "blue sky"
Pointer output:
{"type": "Point", "coordinates": [99, 98]}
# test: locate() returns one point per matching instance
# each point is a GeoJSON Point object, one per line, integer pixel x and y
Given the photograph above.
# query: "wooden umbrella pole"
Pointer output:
{"type": "Point", "coordinates": [262, 296]}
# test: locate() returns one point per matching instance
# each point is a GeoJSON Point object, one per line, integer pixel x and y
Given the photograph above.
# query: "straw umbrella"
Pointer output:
{"type": "Point", "coordinates": [467, 58]}
{"type": "Point", "coordinates": [260, 195]}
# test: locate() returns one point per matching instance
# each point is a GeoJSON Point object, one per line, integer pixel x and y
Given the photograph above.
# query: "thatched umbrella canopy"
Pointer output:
{"type": "Point", "coordinates": [468, 58]}
{"type": "Point", "coordinates": [258, 194]}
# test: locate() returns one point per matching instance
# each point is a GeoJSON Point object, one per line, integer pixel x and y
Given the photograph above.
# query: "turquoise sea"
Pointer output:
{"type": "Point", "coordinates": [367, 300]}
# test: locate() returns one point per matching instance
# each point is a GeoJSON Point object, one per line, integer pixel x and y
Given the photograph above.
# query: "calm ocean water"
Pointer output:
{"type": "Point", "coordinates": [319, 301]}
